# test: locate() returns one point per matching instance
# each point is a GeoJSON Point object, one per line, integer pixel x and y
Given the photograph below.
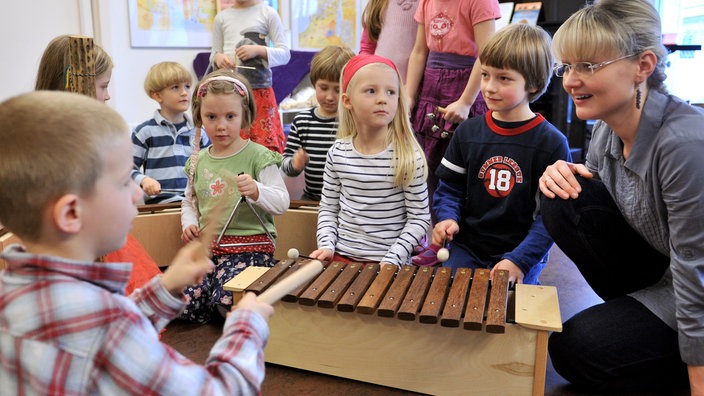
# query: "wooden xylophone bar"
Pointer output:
{"type": "Point", "coordinates": [405, 352]}
{"type": "Point", "coordinates": [408, 292]}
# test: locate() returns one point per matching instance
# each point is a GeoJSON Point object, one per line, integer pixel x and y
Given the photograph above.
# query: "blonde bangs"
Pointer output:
{"type": "Point", "coordinates": [605, 38]}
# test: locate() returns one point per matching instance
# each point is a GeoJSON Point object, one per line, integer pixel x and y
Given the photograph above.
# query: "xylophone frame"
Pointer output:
{"type": "Point", "coordinates": [425, 358]}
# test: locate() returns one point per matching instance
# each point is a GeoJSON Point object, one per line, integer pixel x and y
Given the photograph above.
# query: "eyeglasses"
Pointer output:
{"type": "Point", "coordinates": [583, 67]}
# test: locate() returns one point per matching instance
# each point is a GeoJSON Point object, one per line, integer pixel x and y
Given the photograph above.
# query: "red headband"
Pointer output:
{"type": "Point", "coordinates": [359, 61]}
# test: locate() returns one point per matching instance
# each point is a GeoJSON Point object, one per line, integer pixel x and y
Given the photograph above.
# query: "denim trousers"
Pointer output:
{"type": "Point", "coordinates": [618, 346]}
{"type": "Point", "coordinates": [462, 257]}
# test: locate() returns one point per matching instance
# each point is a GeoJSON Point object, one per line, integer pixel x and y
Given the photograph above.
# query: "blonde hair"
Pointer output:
{"type": "Point", "coordinates": [55, 60]}
{"type": "Point", "coordinates": [373, 18]}
{"type": "Point", "coordinates": [329, 62]}
{"type": "Point", "coordinates": [404, 143]}
{"type": "Point", "coordinates": [165, 74]}
{"type": "Point", "coordinates": [614, 27]}
{"type": "Point", "coordinates": [53, 143]}
{"type": "Point", "coordinates": [525, 49]}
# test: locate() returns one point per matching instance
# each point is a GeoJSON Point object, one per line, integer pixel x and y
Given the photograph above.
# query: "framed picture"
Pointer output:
{"type": "Point", "coordinates": [506, 12]}
{"type": "Point", "coordinates": [316, 24]}
{"type": "Point", "coordinates": [171, 23]}
{"type": "Point", "coordinates": [222, 4]}
{"type": "Point", "coordinates": [526, 13]}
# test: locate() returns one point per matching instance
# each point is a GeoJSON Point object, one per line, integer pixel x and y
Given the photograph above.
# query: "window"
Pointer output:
{"type": "Point", "coordinates": [683, 23]}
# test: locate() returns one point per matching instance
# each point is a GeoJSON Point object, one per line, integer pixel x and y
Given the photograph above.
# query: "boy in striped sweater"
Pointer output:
{"type": "Point", "coordinates": [313, 131]}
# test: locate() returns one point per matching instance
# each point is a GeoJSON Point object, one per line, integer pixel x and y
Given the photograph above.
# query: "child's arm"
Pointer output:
{"type": "Point", "coordinates": [458, 111]}
{"type": "Point", "coordinates": [189, 217]}
{"type": "Point", "coordinates": [277, 55]}
{"type": "Point", "coordinates": [329, 206]}
{"type": "Point", "coordinates": [269, 193]}
{"type": "Point", "coordinates": [447, 205]}
{"type": "Point", "coordinates": [416, 66]}
{"type": "Point", "coordinates": [417, 219]}
{"type": "Point", "coordinates": [537, 241]}
{"type": "Point", "coordinates": [293, 145]}
{"type": "Point", "coordinates": [528, 253]}
{"type": "Point", "coordinates": [160, 300]}
{"type": "Point", "coordinates": [217, 58]}
{"type": "Point", "coordinates": [366, 45]}
{"type": "Point", "coordinates": [235, 365]}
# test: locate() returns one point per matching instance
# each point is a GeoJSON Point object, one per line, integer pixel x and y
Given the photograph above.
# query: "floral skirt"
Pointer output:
{"type": "Point", "coordinates": [266, 128]}
{"type": "Point", "coordinates": [202, 300]}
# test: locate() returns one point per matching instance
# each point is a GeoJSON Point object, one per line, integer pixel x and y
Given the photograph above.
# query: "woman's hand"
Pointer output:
{"type": "Point", "coordinates": [558, 180]}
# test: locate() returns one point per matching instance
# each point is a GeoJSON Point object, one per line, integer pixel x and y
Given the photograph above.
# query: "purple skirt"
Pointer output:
{"type": "Point", "coordinates": [444, 80]}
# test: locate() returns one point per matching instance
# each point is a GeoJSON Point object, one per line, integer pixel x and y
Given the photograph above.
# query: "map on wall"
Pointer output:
{"type": "Point", "coordinates": [318, 23]}
{"type": "Point", "coordinates": [168, 23]}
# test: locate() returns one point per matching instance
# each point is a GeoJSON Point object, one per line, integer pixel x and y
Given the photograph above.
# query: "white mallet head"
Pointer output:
{"type": "Point", "coordinates": [293, 253]}
{"type": "Point", "coordinates": [443, 255]}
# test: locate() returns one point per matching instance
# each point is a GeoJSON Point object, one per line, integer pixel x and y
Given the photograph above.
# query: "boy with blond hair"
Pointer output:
{"type": "Point", "coordinates": [65, 326]}
{"type": "Point", "coordinates": [313, 131]}
{"type": "Point", "coordinates": [163, 144]}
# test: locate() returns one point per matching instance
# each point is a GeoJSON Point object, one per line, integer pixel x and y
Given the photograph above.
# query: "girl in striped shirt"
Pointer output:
{"type": "Point", "coordinates": [374, 203]}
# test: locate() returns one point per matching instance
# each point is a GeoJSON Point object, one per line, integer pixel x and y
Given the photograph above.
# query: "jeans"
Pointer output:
{"type": "Point", "coordinates": [617, 346]}
{"type": "Point", "coordinates": [462, 257]}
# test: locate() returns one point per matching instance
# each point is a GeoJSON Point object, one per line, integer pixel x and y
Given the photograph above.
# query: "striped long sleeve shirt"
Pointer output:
{"type": "Point", "coordinates": [315, 135]}
{"type": "Point", "coordinates": [160, 150]}
{"type": "Point", "coordinates": [67, 329]}
{"type": "Point", "coordinates": [362, 214]}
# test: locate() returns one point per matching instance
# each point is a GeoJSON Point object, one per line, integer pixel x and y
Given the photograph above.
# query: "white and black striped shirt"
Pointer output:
{"type": "Point", "coordinates": [362, 214]}
{"type": "Point", "coordinates": [315, 135]}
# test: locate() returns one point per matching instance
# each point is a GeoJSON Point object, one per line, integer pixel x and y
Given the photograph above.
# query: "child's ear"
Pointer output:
{"type": "Point", "coordinates": [156, 96]}
{"type": "Point", "coordinates": [66, 214]}
{"type": "Point", "coordinates": [346, 101]}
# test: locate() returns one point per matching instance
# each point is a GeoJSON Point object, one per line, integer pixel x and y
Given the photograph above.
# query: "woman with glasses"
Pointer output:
{"type": "Point", "coordinates": [632, 217]}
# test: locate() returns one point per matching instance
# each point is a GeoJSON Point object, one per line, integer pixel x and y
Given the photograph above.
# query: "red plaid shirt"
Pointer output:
{"type": "Point", "coordinates": [67, 329]}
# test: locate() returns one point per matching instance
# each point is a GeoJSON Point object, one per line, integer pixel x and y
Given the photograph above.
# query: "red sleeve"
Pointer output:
{"type": "Point", "coordinates": [366, 46]}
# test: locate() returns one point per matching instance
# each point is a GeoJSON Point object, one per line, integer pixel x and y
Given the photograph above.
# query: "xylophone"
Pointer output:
{"type": "Point", "coordinates": [411, 328]}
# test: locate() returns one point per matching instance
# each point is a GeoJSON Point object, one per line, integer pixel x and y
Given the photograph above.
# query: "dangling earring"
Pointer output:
{"type": "Point", "coordinates": [638, 97]}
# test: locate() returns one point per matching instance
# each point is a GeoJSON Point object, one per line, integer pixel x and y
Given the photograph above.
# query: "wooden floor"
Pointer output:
{"type": "Point", "coordinates": [195, 341]}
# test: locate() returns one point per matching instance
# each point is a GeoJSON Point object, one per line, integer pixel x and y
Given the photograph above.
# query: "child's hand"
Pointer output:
{"type": "Point", "coordinates": [150, 186]}
{"type": "Point", "coordinates": [322, 254]}
{"type": "Point", "coordinates": [455, 112]}
{"type": "Point", "coordinates": [300, 159]}
{"type": "Point", "coordinates": [190, 233]}
{"type": "Point", "coordinates": [249, 301]}
{"type": "Point", "coordinates": [247, 186]}
{"type": "Point", "coordinates": [444, 229]}
{"type": "Point", "coordinates": [515, 275]}
{"type": "Point", "coordinates": [223, 61]}
{"type": "Point", "coordinates": [247, 52]}
{"type": "Point", "coordinates": [188, 267]}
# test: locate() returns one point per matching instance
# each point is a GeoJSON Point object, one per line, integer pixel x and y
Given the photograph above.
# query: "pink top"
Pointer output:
{"type": "Point", "coordinates": [398, 34]}
{"type": "Point", "coordinates": [449, 24]}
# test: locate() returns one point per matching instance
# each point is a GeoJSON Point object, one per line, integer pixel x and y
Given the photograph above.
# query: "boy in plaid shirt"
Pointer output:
{"type": "Point", "coordinates": [66, 326]}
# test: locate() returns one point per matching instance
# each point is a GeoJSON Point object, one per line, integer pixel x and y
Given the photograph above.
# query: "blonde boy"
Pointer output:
{"type": "Point", "coordinates": [65, 326]}
{"type": "Point", "coordinates": [163, 144]}
{"type": "Point", "coordinates": [313, 131]}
